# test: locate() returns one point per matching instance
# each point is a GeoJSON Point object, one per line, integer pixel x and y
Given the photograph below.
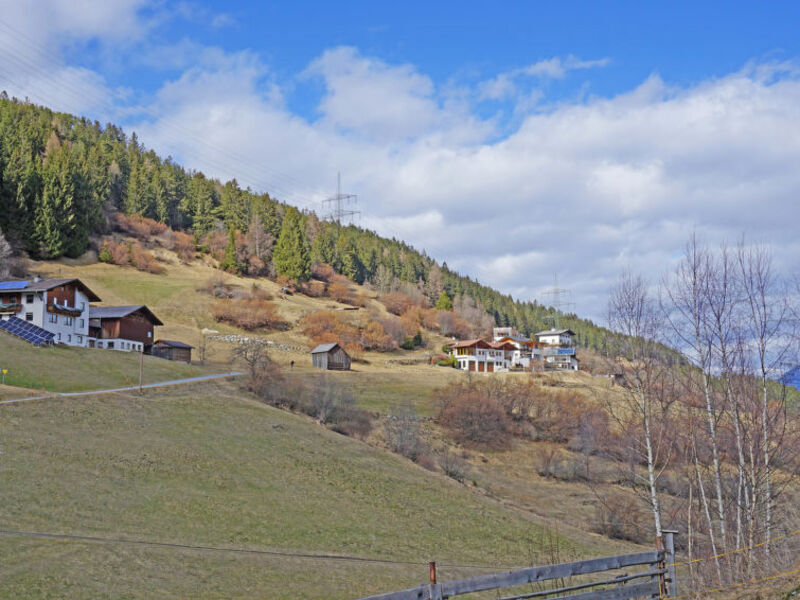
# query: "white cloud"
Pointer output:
{"type": "Point", "coordinates": [506, 85]}
{"type": "Point", "coordinates": [581, 188]}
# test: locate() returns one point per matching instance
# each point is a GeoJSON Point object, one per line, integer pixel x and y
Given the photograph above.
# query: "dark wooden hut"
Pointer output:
{"type": "Point", "coordinates": [173, 350]}
{"type": "Point", "coordinates": [331, 357]}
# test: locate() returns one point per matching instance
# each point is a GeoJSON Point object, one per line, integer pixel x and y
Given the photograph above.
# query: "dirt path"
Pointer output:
{"type": "Point", "coordinates": [125, 389]}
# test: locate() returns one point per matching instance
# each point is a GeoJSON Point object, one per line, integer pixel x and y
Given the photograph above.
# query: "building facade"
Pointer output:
{"type": "Point", "coordinates": [124, 328]}
{"type": "Point", "coordinates": [59, 306]}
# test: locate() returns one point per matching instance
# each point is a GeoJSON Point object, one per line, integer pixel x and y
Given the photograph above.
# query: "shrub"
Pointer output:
{"type": "Point", "coordinates": [618, 516]}
{"type": "Point", "coordinates": [340, 292]}
{"type": "Point", "coordinates": [314, 288]}
{"type": "Point", "coordinates": [135, 226]}
{"type": "Point", "coordinates": [404, 435]}
{"type": "Point", "coordinates": [105, 254]}
{"type": "Point", "coordinates": [323, 272]}
{"type": "Point", "coordinates": [246, 313]}
{"type": "Point", "coordinates": [397, 302]}
{"type": "Point", "coordinates": [476, 419]}
{"type": "Point", "coordinates": [143, 260]}
{"type": "Point", "coordinates": [452, 464]}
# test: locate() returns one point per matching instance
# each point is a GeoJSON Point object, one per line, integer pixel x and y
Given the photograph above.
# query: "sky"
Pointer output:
{"type": "Point", "coordinates": [512, 140]}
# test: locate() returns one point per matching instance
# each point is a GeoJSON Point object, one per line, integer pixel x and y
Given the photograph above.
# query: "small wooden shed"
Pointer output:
{"type": "Point", "coordinates": [331, 357]}
{"type": "Point", "coordinates": [172, 350]}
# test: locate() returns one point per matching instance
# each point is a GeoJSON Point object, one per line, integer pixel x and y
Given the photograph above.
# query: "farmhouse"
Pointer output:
{"type": "Point", "coordinates": [123, 328]}
{"type": "Point", "coordinates": [56, 306]}
{"type": "Point", "coordinates": [172, 350]}
{"type": "Point", "coordinates": [331, 357]}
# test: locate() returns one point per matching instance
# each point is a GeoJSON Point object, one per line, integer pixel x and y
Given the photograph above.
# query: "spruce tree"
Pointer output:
{"type": "Point", "coordinates": [444, 302]}
{"type": "Point", "coordinates": [291, 256]}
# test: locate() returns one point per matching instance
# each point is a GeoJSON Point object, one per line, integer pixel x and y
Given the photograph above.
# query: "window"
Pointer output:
{"type": "Point", "coordinates": [69, 337]}
{"type": "Point", "coordinates": [81, 323]}
{"type": "Point", "coordinates": [83, 306]}
{"type": "Point", "coordinates": [110, 345]}
{"type": "Point", "coordinates": [149, 334]}
{"type": "Point", "coordinates": [59, 336]}
{"type": "Point", "coordinates": [28, 298]}
{"type": "Point", "coordinates": [69, 321]}
{"type": "Point", "coordinates": [80, 339]}
{"type": "Point", "coordinates": [53, 318]}
{"type": "Point", "coordinates": [29, 316]}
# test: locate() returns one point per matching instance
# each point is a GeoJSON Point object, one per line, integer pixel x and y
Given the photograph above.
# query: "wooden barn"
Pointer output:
{"type": "Point", "coordinates": [331, 357]}
{"type": "Point", "coordinates": [172, 350]}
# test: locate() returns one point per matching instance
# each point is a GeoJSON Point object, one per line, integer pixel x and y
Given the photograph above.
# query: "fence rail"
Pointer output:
{"type": "Point", "coordinates": [662, 579]}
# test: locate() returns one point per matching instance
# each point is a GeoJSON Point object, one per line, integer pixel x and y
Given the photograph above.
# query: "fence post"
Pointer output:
{"type": "Point", "coordinates": [669, 559]}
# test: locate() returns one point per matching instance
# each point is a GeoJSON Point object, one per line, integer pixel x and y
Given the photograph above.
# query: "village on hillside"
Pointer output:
{"type": "Point", "coordinates": [60, 311]}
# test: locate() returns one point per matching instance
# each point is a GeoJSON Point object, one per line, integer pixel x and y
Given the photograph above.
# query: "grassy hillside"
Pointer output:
{"type": "Point", "coordinates": [63, 369]}
{"type": "Point", "coordinates": [206, 466]}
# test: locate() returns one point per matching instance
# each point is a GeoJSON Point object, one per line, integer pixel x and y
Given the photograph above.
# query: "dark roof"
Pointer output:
{"type": "Point", "coordinates": [48, 284]}
{"type": "Point", "coordinates": [118, 312]}
{"type": "Point", "coordinates": [556, 332]}
{"type": "Point", "coordinates": [173, 344]}
{"type": "Point", "coordinates": [324, 348]}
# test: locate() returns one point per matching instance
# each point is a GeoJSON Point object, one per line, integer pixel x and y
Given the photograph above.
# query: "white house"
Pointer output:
{"type": "Point", "coordinates": [59, 306]}
{"type": "Point", "coordinates": [556, 337]}
{"type": "Point", "coordinates": [478, 356]}
{"type": "Point", "coordinates": [558, 351]}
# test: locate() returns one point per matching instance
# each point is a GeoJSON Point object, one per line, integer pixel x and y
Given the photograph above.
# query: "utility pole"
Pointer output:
{"type": "Point", "coordinates": [339, 202]}
{"type": "Point", "coordinates": [141, 369]}
{"type": "Point", "coordinates": [559, 300]}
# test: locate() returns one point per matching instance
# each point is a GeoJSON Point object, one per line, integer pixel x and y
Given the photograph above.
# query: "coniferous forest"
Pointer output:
{"type": "Point", "coordinates": [63, 178]}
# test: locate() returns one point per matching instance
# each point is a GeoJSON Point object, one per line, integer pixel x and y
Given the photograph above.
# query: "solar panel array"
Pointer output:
{"type": "Point", "coordinates": [27, 331]}
{"type": "Point", "coordinates": [13, 285]}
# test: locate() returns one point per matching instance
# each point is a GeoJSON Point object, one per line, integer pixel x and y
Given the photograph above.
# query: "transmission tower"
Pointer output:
{"type": "Point", "coordinates": [339, 203]}
{"type": "Point", "coordinates": [560, 300]}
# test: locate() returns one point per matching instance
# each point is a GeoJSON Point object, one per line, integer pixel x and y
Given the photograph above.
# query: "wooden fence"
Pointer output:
{"type": "Point", "coordinates": [656, 581]}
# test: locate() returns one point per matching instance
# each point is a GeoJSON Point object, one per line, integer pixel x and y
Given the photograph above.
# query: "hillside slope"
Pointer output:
{"type": "Point", "coordinates": [206, 466]}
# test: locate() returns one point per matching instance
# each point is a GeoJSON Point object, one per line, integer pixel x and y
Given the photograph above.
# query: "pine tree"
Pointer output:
{"type": "Point", "coordinates": [291, 256]}
{"type": "Point", "coordinates": [444, 302]}
{"type": "Point", "coordinates": [229, 263]}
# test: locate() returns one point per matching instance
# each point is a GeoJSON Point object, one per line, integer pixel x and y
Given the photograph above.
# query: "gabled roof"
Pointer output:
{"type": "Point", "coordinates": [322, 348]}
{"type": "Point", "coordinates": [118, 312]}
{"type": "Point", "coordinates": [173, 344]}
{"type": "Point", "coordinates": [469, 343]}
{"type": "Point", "coordinates": [555, 332]}
{"type": "Point", "coordinates": [503, 345]}
{"type": "Point", "coordinates": [44, 285]}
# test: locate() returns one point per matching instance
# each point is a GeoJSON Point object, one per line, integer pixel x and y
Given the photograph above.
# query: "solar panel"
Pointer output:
{"type": "Point", "coordinates": [27, 331]}
{"type": "Point", "coordinates": [13, 285]}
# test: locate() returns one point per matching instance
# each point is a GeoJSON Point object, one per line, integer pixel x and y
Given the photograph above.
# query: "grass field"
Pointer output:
{"type": "Point", "coordinates": [65, 369]}
{"type": "Point", "coordinates": [204, 465]}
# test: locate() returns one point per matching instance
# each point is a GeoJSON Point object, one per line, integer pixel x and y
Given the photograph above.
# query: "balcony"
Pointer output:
{"type": "Point", "coordinates": [558, 351]}
{"type": "Point", "coordinates": [63, 309]}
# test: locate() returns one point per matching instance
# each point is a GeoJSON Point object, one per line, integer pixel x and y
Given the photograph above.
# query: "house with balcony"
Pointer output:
{"type": "Point", "coordinates": [56, 306]}
{"type": "Point", "coordinates": [478, 356]}
{"type": "Point", "coordinates": [558, 349]}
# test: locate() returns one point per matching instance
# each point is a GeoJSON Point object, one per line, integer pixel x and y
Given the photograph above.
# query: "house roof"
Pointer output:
{"type": "Point", "coordinates": [44, 285]}
{"type": "Point", "coordinates": [324, 348]}
{"type": "Point", "coordinates": [173, 344]}
{"type": "Point", "coordinates": [502, 344]}
{"type": "Point", "coordinates": [555, 332]}
{"type": "Point", "coordinates": [118, 312]}
{"type": "Point", "coordinates": [470, 343]}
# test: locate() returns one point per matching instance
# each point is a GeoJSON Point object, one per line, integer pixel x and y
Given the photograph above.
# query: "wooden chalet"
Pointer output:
{"type": "Point", "coordinates": [172, 350]}
{"type": "Point", "coordinates": [331, 357]}
{"type": "Point", "coordinates": [122, 327]}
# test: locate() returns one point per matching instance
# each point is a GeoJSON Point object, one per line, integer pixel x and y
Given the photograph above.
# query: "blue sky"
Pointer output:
{"type": "Point", "coordinates": [511, 140]}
